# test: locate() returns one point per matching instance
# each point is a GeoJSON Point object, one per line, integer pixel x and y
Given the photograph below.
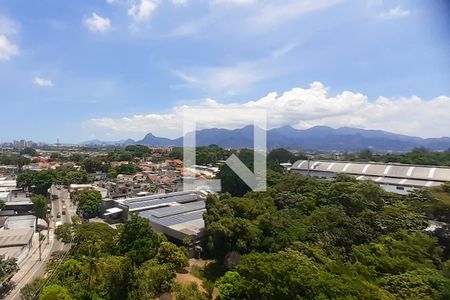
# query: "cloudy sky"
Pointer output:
{"type": "Point", "coordinates": [114, 69]}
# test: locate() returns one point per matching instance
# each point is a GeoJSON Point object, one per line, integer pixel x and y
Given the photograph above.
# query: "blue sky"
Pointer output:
{"type": "Point", "coordinates": [113, 69]}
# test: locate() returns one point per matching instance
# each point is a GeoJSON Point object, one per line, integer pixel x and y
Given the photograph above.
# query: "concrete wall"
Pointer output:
{"type": "Point", "coordinates": [401, 190]}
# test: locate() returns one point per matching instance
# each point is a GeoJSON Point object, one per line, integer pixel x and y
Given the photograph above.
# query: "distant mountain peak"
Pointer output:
{"type": "Point", "coordinates": [315, 138]}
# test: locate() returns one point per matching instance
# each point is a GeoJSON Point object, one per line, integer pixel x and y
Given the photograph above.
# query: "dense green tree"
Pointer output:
{"type": "Point", "coordinates": [138, 150]}
{"type": "Point", "coordinates": [127, 169]}
{"type": "Point", "coordinates": [442, 234]}
{"type": "Point", "coordinates": [53, 292]}
{"type": "Point", "coordinates": [39, 182]}
{"type": "Point", "coordinates": [151, 279]}
{"type": "Point", "coordinates": [418, 156]}
{"type": "Point", "coordinates": [40, 207]}
{"type": "Point", "coordinates": [399, 252]}
{"type": "Point", "coordinates": [28, 151]}
{"type": "Point", "coordinates": [95, 164]}
{"type": "Point", "coordinates": [169, 253]}
{"type": "Point", "coordinates": [398, 216]}
{"type": "Point", "coordinates": [77, 157]}
{"type": "Point", "coordinates": [36, 182]}
{"type": "Point", "coordinates": [103, 235]}
{"type": "Point", "coordinates": [356, 196]}
{"type": "Point", "coordinates": [281, 155]}
{"type": "Point", "coordinates": [64, 232]}
{"type": "Point", "coordinates": [124, 156]}
{"type": "Point", "coordinates": [56, 258]}
{"type": "Point", "coordinates": [188, 292]}
{"type": "Point", "coordinates": [73, 275]}
{"type": "Point", "coordinates": [204, 155]}
{"type": "Point", "coordinates": [138, 241]}
{"type": "Point", "coordinates": [15, 160]}
{"type": "Point", "coordinates": [55, 156]}
{"type": "Point", "coordinates": [366, 155]}
{"type": "Point", "coordinates": [291, 274]}
{"type": "Point", "coordinates": [89, 202]}
{"type": "Point", "coordinates": [76, 177]}
{"type": "Point", "coordinates": [446, 187]}
{"type": "Point", "coordinates": [8, 267]}
{"type": "Point", "coordinates": [31, 289]}
{"type": "Point", "coordinates": [417, 285]}
{"type": "Point", "coordinates": [230, 181]}
{"type": "Point", "coordinates": [116, 272]}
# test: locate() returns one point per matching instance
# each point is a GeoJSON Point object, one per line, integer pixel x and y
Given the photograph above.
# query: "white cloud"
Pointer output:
{"type": "Point", "coordinates": [180, 2]}
{"type": "Point", "coordinates": [97, 24]}
{"type": "Point", "coordinates": [8, 27]}
{"type": "Point", "coordinates": [142, 9]}
{"type": "Point", "coordinates": [273, 14]}
{"type": "Point", "coordinates": [7, 48]}
{"type": "Point", "coordinates": [283, 50]}
{"type": "Point", "coordinates": [301, 108]}
{"type": "Point", "coordinates": [396, 12]}
{"type": "Point", "coordinates": [233, 2]}
{"type": "Point", "coordinates": [228, 79]}
{"type": "Point", "coordinates": [39, 81]}
{"type": "Point", "coordinates": [250, 16]}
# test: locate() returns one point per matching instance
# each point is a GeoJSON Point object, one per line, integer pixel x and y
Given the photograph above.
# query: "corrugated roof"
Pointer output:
{"type": "Point", "coordinates": [173, 219]}
{"type": "Point", "coordinates": [19, 222]}
{"type": "Point", "coordinates": [15, 237]}
{"type": "Point", "coordinates": [413, 172]}
{"type": "Point", "coordinates": [143, 203]}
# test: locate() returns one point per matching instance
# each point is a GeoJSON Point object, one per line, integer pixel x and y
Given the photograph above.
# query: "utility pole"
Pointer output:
{"type": "Point", "coordinates": [40, 242]}
{"type": "Point", "coordinates": [48, 228]}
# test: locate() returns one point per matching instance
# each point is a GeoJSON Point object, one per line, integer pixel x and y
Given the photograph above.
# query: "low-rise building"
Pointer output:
{"type": "Point", "coordinates": [20, 222]}
{"type": "Point", "coordinates": [177, 215]}
{"type": "Point", "coordinates": [16, 243]}
{"type": "Point", "coordinates": [19, 202]}
{"type": "Point", "coordinates": [392, 177]}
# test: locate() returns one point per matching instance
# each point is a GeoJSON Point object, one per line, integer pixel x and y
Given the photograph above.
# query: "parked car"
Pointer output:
{"type": "Point", "coordinates": [58, 215]}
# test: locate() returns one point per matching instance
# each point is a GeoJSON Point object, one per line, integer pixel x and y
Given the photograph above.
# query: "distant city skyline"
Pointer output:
{"type": "Point", "coordinates": [118, 69]}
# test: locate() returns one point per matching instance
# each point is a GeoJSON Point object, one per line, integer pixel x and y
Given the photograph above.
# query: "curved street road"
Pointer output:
{"type": "Point", "coordinates": [32, 267]}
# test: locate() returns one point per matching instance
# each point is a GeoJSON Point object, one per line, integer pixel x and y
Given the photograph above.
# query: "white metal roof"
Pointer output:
{"type": "Point", "coordinates": [20, 222]}
{"type": "Point", "coordinates": [413, 172]}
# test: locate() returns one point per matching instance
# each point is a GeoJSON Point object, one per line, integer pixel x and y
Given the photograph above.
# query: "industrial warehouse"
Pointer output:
{"type": "Point", "coordinates": [178, 215]}
{"type": "Point", "coordinates": [396, 178]}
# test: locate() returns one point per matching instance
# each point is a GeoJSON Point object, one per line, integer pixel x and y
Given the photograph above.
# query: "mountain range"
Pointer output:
{"type": "Point", "coordinates": [315, 138]}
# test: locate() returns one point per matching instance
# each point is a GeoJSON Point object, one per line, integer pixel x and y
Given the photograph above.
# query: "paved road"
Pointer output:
{"type": "Point", "coordinates": [33, 267]}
